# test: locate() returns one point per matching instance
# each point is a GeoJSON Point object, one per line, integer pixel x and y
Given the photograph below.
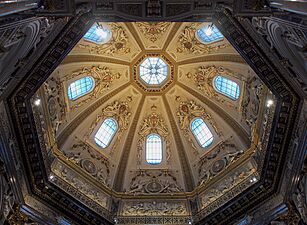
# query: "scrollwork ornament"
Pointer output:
{"type": "Point", "coordinates": [119, 43]}
{"type": "Point", "coordinates": [149, 182]}
{"type": "Point", "coordinates": [189, 110]}
{"type": "Point", "coordinates": [204, 78]}
{"type": "Point", "coordinates": [188, 43]}
{"type": "Point", "coordinates": [154, 123]}
{"type": "Point", "coordinates": [153, 30]}
{"type": "Point", "coordinates": [16, 217]}
{"type": "Point", "coordinates": [103, 77]}
{"type": "Point", "coordinates": [118, 110]}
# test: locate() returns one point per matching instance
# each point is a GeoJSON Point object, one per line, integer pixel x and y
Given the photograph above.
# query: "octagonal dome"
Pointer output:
{"type": "Point", "coordinates": [167, 119]}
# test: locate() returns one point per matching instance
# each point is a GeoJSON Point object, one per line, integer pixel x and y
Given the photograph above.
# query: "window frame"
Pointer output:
{"type": "Point", "coordinates": [162, 146]}
{"type": "Point", "coordinates": [96, 42]}
{"type": "Point", "coordinates": [225, 94]}
{"type": "Point", "coordinates": [83, 94]}
{"type": "Point", "coordinates": [111, 138]}
{"type": "Point", "coordinates": [201, 28]}
{"type": "Point", "coordinates": [141, 76]}
{"type": "Point", "coordinates": [212, 134]}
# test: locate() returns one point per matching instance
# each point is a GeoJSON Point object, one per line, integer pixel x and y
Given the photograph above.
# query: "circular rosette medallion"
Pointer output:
{"type": "Point", "coordinates": [89, 166]}
{"type": "Point", "coordinates": [153, 187]}
{"type": "Point", "coordinates": [218, 165]}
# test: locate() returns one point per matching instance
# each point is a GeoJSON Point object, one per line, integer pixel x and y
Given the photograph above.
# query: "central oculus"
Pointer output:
{"type": "Point", "coordinates": [153, 71]}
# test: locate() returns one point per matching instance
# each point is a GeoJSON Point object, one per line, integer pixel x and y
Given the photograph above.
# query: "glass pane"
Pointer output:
{"type": "Point", "coordinates": [209, 34]}
{"type": "Point", "coordinates": [153, 149]}
{"type": "Point", "coordinates": [153, 70]}
{"type": "Point", "coordinates": [80, 87]}
{"type": "Point", "coordinates": [201, 132]}
{"type": "Point", "coordinates": [98, 34]}
{"type": "Point", "coordinates": [227, 87]}
{"type": "Point", "coordinates": [106, 132]}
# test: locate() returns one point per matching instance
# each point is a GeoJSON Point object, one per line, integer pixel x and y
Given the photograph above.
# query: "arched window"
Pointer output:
{"type": "Point", "coordinates": [80, 87]}
{"type": "Point", "coordinates": [209, 34]}
{"type": "Point", "coordinates": [201, 132]}
{"type": "Point", "coordinates": [154, 149]}
{"type": "Point", "coordinates": [98, 34]}
{"type": "Point", "coordinates": [106, 132]}
{"type": "Point", "coordinates": [227, 87]}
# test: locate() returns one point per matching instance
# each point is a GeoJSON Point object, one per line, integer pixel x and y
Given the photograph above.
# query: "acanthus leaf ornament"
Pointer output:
{"type": "Point", "coordinates": [153, 30]}
{"type": "Point", "coordinates": [153, 123]}
{"type": "Point", "coordinates": [189, 110]}
{"type": "Point", "coordinates": [204, 78]}
{"type": "Point", "coordinates": [103, 77]}
{"type": "Point", "coordinates": [118, 110]}
{"type": "Point", "coordinates": [188, 42]}
{"type": "Point", "coordinates": [119, 43]}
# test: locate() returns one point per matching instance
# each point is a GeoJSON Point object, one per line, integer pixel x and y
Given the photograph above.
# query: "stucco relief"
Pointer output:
{"type": "Point", "coordinates": [187, 111]}
{"type": "Point", "coordinates": [226, 185]}
{"type": "Point", "coordinates": [90, 160]}
{"type": "Point", "coordinates": [153, 30]}
{"type": "Point", "coordinates": [56, 105]}
{"type": "Point", "coordinates": [153, 123]}
{"type": "Point", "coordinates": [217, 160]}
{"type": "Point", "coordinates": [75, 185]}
{"type": "Point", "coordinates": [119, 43]}
{"type": "Point", "coordinates": [153, 182]}
{"type": "Point", "coordinates": [118, 110]}
{"type": "Point", "coordinates": [188, 43]}
{"type": "Point", "coordinates": [143, 208]}
{"type": "Point", "coordinates": [204, 78]}
{"type": "Point", "coordinates": [251, 101]}
{"type": "Point", "coordinates": [103, 77]}
{"type": "Point", "coordinates": [7, 197]}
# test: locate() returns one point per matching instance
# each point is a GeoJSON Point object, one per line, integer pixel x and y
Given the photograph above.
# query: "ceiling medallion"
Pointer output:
{"type": "Point", "coordinates": [153, 72]}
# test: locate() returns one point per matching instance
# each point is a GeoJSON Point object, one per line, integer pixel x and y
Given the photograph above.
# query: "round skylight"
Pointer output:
{"type": "Point", "coordinates": [153, 71]}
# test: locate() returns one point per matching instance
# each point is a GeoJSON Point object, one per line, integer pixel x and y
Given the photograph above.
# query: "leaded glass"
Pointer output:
{"type": "Point", "coordinates": [106, 132]}
{"type": "Point", "coordinates": [80, 87]}
{"type": "Point", "coordinates": [153, 70]}
{"type": "Point", "coordinates": [201, 132]}
{"type": "Point", "coordinates": [153, 149]}
{"type": "Point", "coordinates": [227, 87]}
{"type": "Point", "coordinates": [98, 34]}
{"type": "Point", "coordinates": [209, 34]}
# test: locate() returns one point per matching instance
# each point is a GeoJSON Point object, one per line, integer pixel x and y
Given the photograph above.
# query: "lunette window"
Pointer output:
{"type": "Point", "coordinates": [106, 132]}
{"type": "Point", "coordinates": [98, 34]}
{"type": "Point", "coordinates": [209, 34]}
{"type": "Point", "coordinates": [227, 87]}
{"type": "Point", "coordinates": [153, 149]}
{"type": "Point", "coordinates": [201, 132]}
{"type": "Point", "coordinates": [80, 87]}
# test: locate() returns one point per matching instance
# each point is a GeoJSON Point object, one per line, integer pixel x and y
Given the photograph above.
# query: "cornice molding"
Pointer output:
{"type": "Point", "coordinates": [280, 139]}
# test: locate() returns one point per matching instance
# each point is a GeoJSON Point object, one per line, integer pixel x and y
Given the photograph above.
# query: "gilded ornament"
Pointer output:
{"type": "Point", "coordinates": [119, 43]}
{"type": "Point", "coordinates": [204, 79]}
{"type": "Point", "coordinates": [188, 43]}
{"type": "Point", "coordinates": [154, 123]}
{"type": "Point", "coordinates": [153, 30]}
{"type": "Point", "coordinates": [103, 77]}
{"type": "Point", "coordinates": [118, 110]}
{"type": "Point", "coordinates": [189, 110]}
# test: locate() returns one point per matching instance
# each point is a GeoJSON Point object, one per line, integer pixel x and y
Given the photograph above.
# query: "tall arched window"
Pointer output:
{"type": "Point", "coordinates": [106, 132]}
{"type": "Point", "coordinates": [80, 87]}
{"type": "Point", "coordinates": [209, 34]}
{"type": "Point", "coordinates": [227, 87]}
{"type": "Point", "coordinates": [201, 132]}
{"type": "Point", "coordinates": [153, 149]}
{"type": "Point", "coordinates": [98, 34]}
